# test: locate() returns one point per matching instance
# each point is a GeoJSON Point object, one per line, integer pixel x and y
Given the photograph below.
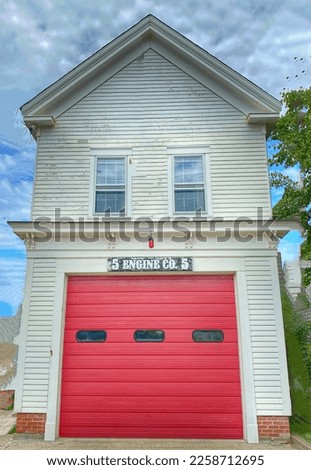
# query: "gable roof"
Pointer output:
{"type": "Point", "coordinates": [257, 105]}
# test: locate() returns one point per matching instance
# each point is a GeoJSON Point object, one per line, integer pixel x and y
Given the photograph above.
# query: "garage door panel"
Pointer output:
{"type": "Point", "coordinates": [150, 283]}
{"type": "Point", "coordinates": [135, 377]}
{"type": "Point", "coordinates": [165, 348]}
{"type": "Point", "coordinates": [120, 404]}
{"type": "Point", "coordinates": [78, 394]}
{"type": "Point", "coordinates": [77, 312]}
{"type": "Point", "coordinates": [172, 335]}
{"type": "Point", "coordinates": [164, 419]}
{"type": "Point", "coordinates": [150, 362]}
{"type": "Point", "coordinates": [139, 322]}
{"type": "Point", "coordinates": [153, 298]}
{"type": "Point", "coordinates": [175, 388]}
{"type": "Point", "coordinates": [221, 432]}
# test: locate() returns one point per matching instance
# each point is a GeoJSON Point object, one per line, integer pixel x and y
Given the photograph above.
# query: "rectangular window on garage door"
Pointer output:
{"type": "Point", "coordinates": [91, 336]}
{"type": "Point", "coordinates": [207, 336]}
{"type": "Point", "coordinates": [149, 336]}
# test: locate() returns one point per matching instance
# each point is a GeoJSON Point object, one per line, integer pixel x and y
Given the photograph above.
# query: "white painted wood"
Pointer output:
{"type": "Point", "coordinates": [22, 339]}
{"type": "Point", "coordinates": [37, 330]}
{"type": "Point", "coordinates": [157, 106]}
{"type": "Point", "coordinates": [245, 354]}
{"type": "Point", "coordinates": [286, 400]}
{"type": "Point", "coordinates": [267, 335]}
{"type": "Point", "coordinates": [53, 398]}
{"type": "Point", "coordinates": [37, 120]}
{"type": "Point", "coordinates": [221, 255]}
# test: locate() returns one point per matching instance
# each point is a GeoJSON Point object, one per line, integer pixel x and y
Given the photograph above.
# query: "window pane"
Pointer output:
{"type": "Point", "coordinates": [189, 200]}
{"type": "Point", "coordinates": [91, 336]}
{"type": "Point", "coordinates": [188, 169]}
{"type": "Point", "coordinates": [144, 336]}
{"type": "Point", "coordinates": [110, 171]}
{"type": "Point", "coordinates": [208, 336]}
{"type": "Point", "coordinates": [110, 201]}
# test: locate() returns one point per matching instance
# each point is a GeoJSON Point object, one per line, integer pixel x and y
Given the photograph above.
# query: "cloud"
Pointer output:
{"type": "Point", "coordinates": [293, 173]}
{"type": "Point", "coordinates": [12, 280]}
{"type": "Point", "coordinates": [8, 240]}
{"type": "Point", "coordinates": [289, 251]}
{"type": "Point", "coordinates": [289, 246]}
{"type": "Point", "coordinates": [259, 39]}
{"type": "Point", "coordinates": [16, 180]}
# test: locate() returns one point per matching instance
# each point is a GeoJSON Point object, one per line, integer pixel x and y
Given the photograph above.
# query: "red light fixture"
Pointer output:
{"type": "Point", "coordinates": [151, 241]}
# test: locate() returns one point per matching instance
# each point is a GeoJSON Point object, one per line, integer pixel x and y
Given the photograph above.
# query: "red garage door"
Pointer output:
{"type": "Point", "coordinates": [151, 356]}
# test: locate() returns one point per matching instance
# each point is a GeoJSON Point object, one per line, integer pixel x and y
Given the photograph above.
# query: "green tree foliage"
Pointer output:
{"type": "Point", "coordinates": [293, 135]}
{"type": "Point", "coordinates": [297, 332]}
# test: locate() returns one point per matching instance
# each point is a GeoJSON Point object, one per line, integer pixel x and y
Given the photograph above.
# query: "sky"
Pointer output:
{"type": "Point", "coordinates": [267, 41]}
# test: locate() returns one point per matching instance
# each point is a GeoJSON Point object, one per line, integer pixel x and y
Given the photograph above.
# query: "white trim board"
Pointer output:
{"type": "Point", "coordinates": [78, 266]}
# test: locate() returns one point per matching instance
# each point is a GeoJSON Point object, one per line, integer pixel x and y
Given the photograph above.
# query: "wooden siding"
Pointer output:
{"type": "Point", "coordinates": [37, 356]}
{"type": "Point", "coordinates": [265, 349]}
{"type": "Point", "coordinates": [147, 106]}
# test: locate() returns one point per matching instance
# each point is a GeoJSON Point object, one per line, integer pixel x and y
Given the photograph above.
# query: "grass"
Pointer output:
{"type": "Point", "coordinates": [301, 428]}
{"type": "Point", "coordinates": [296, 333]}
{"type": "Point", "coordinates": [12, 430]}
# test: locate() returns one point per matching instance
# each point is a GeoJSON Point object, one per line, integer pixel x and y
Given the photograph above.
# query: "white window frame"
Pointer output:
{"type": "Point", "coordinates": [190, 152]}
{"type": "Point", "coordinates": [101, 153]}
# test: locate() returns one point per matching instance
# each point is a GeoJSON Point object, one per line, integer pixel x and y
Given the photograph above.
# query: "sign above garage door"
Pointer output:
{"type": "Point", "coordinates": [149, 264]}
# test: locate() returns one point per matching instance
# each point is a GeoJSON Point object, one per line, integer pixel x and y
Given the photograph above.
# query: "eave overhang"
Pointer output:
{"type": "Point", "coordinates": [40, 121]}
{"type": "Point", "coordinates": [266, 119]}
{"type": "Point", "coordinates": [262, 118]}
{"type": "Point", "coordinates": [43, 227]}
{"type": "Point", "coordinates": [149, 32]}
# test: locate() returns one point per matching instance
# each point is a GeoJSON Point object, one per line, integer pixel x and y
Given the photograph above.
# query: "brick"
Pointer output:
{"type": "Point", "coordinates": [30, 423]}
{"type": "Point", "coordinates": [273, 427]}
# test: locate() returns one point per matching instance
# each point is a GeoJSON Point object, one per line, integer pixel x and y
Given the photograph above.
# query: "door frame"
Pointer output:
{"type": "Point", "coordinates": [235, 266]}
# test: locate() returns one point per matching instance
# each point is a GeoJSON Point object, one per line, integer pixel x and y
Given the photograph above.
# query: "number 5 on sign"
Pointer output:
{"type": "Point", "coordinates": [114, 264]}
{"type": "Point", "coordinates": [185, 265]}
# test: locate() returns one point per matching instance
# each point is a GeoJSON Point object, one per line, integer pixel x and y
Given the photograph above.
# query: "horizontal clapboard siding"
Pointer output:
{"type": "Point", "coordinates": [147, 106]}
{"type": "Point", "coordinates": [265, 349]}
{"type": "Point", "coordinates": [37, 356]}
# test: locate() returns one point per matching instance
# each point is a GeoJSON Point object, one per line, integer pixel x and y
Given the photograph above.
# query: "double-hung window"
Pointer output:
{"type": "Point", "coordinates": [110, 197]}
{"type": "Point", "coordinates": [189, 184]}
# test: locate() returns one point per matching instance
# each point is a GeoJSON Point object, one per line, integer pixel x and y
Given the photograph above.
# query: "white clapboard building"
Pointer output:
{"type": "Point", "coordinates": [152, 301]}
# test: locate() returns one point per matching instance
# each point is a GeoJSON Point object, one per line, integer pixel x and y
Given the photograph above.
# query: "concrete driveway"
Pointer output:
{"type": "Point", "coordinates": [7, 421]}
{"type": "Point", "coordinates": [11, 442]}
{"type": "Point", "coordinates": [22, 442]}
